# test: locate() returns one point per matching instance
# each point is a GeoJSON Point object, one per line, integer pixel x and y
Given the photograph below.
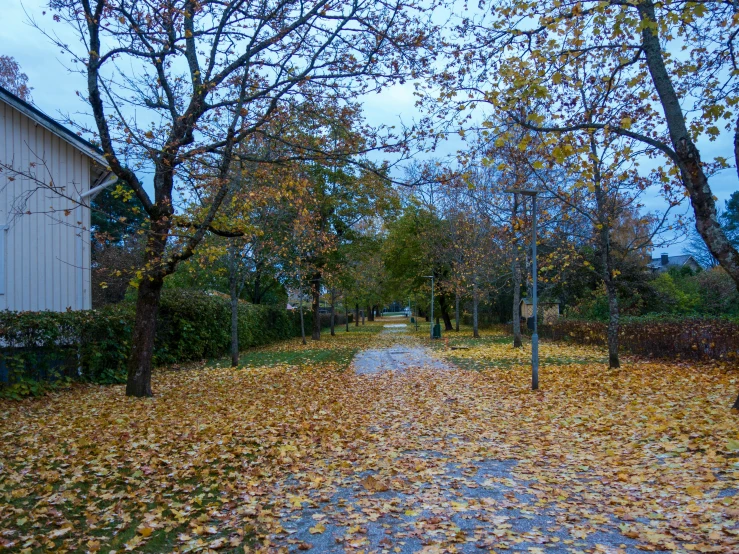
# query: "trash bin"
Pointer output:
{"type": "Point", "coordinates": [437, 331]}
{"type": "Point", "coordinates": [530, 323]}
{"type": "Point", "coordinates": [413, 320]}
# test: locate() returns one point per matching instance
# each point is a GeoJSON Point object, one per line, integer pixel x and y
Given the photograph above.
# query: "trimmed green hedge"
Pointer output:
{"type": "Point", "coordinates": [194, 325]}
{"type": "Point", "coordinates": [40, 349]}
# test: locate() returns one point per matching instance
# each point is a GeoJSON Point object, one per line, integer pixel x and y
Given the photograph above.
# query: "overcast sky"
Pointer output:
{"type": "Point", "coordinates": [55, 87]}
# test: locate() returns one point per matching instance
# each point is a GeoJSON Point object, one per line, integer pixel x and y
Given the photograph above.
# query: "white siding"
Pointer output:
{"type": "Point", "coordinates": [47, 252]}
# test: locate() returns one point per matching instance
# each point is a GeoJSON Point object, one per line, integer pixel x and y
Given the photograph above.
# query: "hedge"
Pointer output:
{"type": "Point", "coordinates": [688, 338]}
{"type": "Point", "coordinates": [42, 348]}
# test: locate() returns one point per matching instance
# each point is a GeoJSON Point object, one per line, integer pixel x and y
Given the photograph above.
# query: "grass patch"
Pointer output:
{"type": "Point", "coordinates": [259, 359]}
{"type": "Point", "coordinates": [339, 349]}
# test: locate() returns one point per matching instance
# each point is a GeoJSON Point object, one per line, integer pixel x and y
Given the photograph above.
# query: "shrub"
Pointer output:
{"type": "Point", "coordinates": [37, 350]}
{"type": "Point", "coordinates": [718, 292]}
{"type": "Point", "coordinates": [658, 336]}
{"type": "Point", "coordinates": [44, 349]}
{"type": "Point", "coordinates": [678, 292]}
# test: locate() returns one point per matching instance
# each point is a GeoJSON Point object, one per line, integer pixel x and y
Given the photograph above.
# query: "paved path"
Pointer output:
{"type": "Point", "coordinates": [436, 503]}
{"type": "Point", "coordinates": [398, 357]}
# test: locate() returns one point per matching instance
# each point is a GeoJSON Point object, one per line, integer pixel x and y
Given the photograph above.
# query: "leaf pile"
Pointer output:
{"type": "Point", "coordinates": [225, 459]}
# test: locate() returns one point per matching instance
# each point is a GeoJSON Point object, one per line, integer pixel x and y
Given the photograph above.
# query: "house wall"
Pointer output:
{"type": "Point", "coordinates": [45, 254]}
{"type": "Point", "coordinates": [693, 265]}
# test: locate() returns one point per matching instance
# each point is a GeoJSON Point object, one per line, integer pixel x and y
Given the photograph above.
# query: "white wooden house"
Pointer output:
{"type": "Point", "coordinates": [47, 175]}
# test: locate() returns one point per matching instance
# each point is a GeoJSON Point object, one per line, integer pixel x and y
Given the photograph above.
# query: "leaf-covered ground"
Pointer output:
{"type": "Point", "coordinates": [294, 452]}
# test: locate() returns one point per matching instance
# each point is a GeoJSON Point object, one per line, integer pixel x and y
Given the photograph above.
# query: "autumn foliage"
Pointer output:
{"type": "Point", "coordinates": [647, 453]}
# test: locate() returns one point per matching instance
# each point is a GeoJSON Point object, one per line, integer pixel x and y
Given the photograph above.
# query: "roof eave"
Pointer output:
{"type": "Point", "coordinates": [55, 128]}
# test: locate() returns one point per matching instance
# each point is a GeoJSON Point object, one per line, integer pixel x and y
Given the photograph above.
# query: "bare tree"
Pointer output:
{"type": "Point", "coordinates": [174, 87]}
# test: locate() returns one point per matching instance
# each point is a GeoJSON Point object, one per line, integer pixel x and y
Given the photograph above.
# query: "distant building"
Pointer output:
{"type": "Point", "coordinates": [665, 262]}
{"type": "Point", "coordinates": [47, 175]}
{"type": "Point", "coordinates": [548, 311]}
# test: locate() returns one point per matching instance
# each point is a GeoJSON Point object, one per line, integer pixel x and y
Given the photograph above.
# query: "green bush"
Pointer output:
{"type": "Point", "coordinates": [43, 349]}
{"type": "Point", "coordinates": [678, 292]}
{"type": "Point", "coordinates": [594, 304]}
{"type": "Point", "coordinates": [719, 295]}
{"type": "Point", "coordinates": [37, 351]}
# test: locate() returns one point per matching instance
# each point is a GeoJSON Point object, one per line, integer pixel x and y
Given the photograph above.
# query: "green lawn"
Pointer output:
{"type": "Point", "coordinates": [342, 349]}
{"type": "Point", "coordinates": [266, 358]}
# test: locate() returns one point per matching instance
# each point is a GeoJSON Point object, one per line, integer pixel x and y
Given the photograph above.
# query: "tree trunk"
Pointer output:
{"type": "Point", "coordinates": [346, 313]}
{"type": "Point", "coordinates": [475, 303]}
{"type": "Point", "coordinates": [333, 311]}
{"type": "Point", "coordinates": [356, 314]}
{"type": "Point", "coordinates": [456, 311]}
{"type": "Point", "coordinates": [257, 296]}
{"type": "Point", "coordinates": [370, 314]}
{"type": "Point", "coordinates": [517, 342]}
{"type": "Point", "coordinates": [315, 288]}
{"type": "Point", "coordinates": [142, 339]}
{"type": "Point", "coordinates": [147, 309]}
{"type": "Point", "coordinates": [445, 312]}
{"type": "Point", "coordinates": [233, 289]}
{"type": "Point", "coordinates": [688, 157]}
{"type": "Point", "coordinates": [234, 325]}
{"type": "Point", "coordinates": [606, 258]}
{"type": "Point", "coordinates": [613, 315]}
{"type": "Point", "coordinates": [363, 316]}
{"type": "Point", "coordinates": [302, 319]}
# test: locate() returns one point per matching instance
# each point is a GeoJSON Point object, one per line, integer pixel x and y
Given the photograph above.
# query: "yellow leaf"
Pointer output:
{"type": "Point", "coordinates": [694, 491]}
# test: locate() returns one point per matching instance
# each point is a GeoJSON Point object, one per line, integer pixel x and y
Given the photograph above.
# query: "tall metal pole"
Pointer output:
{"type": "Point", "coordinates": [535, 335]}
{"type": "Point", "coordinates": [432, 307]}
{"type": "Point", "coordinates": [535, 277]}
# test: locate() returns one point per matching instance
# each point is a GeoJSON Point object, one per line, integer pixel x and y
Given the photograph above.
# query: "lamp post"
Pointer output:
{"type": "Point", "coordinates": [432, 304]}
{"type": "Point", "coordinates": [535, 335]}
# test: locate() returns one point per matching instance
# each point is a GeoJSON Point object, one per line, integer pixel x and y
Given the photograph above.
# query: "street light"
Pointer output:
{"type": "Point", "coordinates": [535, 336]}
{"type": "Point", "coordinates": [432, 304]}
